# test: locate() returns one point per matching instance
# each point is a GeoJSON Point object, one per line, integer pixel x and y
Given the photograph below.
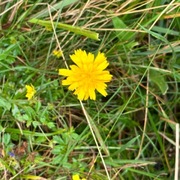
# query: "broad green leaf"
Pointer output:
{"type": "Point", "coordinates": [15, 110]}
{"type": "Point", "coordinates": [5, 103]}
{"type": "Point", "coordinates": [6, 139]}
{"type": "Point", "coordinates": [74, 29]}
{"type": "Point", "coordinates": [159, 80]}
{"type": "Point", "coordinates": [127, 37]}
{"type": "Point", "coordinates": [124, 35]}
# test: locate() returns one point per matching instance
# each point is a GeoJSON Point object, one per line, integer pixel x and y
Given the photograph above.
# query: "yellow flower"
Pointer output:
{"type": "Point", "coordinates": [30, 91]}
{"type": "Point", "coordinates": [87, 75]}
{"type": "Point", "coordinates": [57, 53]}
{"type": "Point", "coordinates": [76, 177]}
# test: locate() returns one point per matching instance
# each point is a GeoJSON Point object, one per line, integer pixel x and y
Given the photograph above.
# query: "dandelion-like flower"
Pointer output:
{"type": "Point", "coordinates": [87, 75]}
{"type": "Point", "coordinates": [76, 177]}
{"type": "Point", "coordinates": [30, 91]}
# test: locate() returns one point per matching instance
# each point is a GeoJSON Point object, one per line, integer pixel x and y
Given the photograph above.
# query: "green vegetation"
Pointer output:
{"type": "Point", "coordinates": [133, 133]}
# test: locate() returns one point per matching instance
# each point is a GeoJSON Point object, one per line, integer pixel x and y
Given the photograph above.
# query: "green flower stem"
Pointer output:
{"type": "Point", "coordinates": [74, 29]}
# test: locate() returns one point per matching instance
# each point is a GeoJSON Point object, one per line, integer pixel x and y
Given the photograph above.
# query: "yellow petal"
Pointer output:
{"type": "Point", "coordinates": [101, 61]}
{"type": "Point", "coordinates": [80, 92]}
{"type": "Point", "coordinates": [101, 88]}
{"type": "Point", "coordinates": [92, 94]}
{"type": "Point", "coordinates": [65, 72]}
{"type": "Point", "coordinates": [105, 76]}
{"type": "Point", "coordinates": [90, 58]}
{"type": "Point", "coordinates": [79, 57]}
{"type": "Point", "coordinates": [73, 86]}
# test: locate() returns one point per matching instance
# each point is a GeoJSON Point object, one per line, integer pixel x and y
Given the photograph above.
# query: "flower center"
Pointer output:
{"type": "Point", "coordinates": [87, 77]}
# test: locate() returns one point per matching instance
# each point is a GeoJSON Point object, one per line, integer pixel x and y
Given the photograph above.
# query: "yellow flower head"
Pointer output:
{"type": "Point", "coordinates": [57, 53]}
{"type": "Point", "coordinates": [30, 91]}
{"type": "Point", "coordinates": [76, 177]}
{"type": "Point", "coordinates": [87, 75]}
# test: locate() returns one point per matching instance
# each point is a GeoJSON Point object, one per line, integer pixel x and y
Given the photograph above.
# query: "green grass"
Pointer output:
{"type": "Point", "coordinates": [133, 133]}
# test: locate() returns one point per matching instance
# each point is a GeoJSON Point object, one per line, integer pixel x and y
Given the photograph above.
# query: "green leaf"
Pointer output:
{"type": "Point", "coordinates": [50, 125]}
{"type": "Point", "coordinates": [6, 139]}
{"type": "Point", "coordinates": [15, 110]}
{"type": "Point", "coordinates": [118, 162]}
{"type": "Point", "coordinates": [165, 31]}
{"type": "Point", "coordinates": [5, 104]}
{"type": "Point", "coordinates": [159, 80]}
{"type": "Point", "coordinates": [125, 36]}
{"type": "Point", "coordinates": [129, 143]}
{"type": "Point", "coordinates": [32, 133]}
{"type": "Point", "coordinates": [141, 172]}
{"type": "Point", "coordinates": [74, 29]}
